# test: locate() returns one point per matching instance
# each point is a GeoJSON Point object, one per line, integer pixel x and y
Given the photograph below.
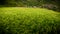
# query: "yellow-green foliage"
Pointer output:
{"type": "Point", "coordinates": [14, 20]}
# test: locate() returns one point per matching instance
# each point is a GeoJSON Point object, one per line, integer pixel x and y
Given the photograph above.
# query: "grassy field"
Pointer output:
{"type": "Point", "coordinates": [19, 20]}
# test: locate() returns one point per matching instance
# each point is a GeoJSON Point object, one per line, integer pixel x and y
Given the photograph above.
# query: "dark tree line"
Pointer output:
{"type": "Point", "coordinates": [28, 3]}
{"type": "Point", "coordinates": [31, 2]}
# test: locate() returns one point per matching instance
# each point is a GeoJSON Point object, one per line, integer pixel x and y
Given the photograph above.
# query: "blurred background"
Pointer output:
{"type": "Point", "coordinates": [49, 4]}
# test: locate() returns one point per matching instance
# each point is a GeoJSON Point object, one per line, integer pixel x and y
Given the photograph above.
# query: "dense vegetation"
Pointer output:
{"type": "Point", "coordinates": [29, 21]}
{"type": "Point", "coordinates": [29, 17]}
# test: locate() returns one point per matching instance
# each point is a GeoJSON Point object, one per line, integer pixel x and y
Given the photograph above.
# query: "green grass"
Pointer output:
{"type": "Point", "coordinates": [14, 20]}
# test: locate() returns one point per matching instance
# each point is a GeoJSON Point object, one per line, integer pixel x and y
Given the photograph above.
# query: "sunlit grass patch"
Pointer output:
{"type": "Point", "coordinates": [14, 20]}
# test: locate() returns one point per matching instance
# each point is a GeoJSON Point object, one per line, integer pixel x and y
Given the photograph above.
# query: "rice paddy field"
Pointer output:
{"type": "Point", "coordinates": [19, 20]}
